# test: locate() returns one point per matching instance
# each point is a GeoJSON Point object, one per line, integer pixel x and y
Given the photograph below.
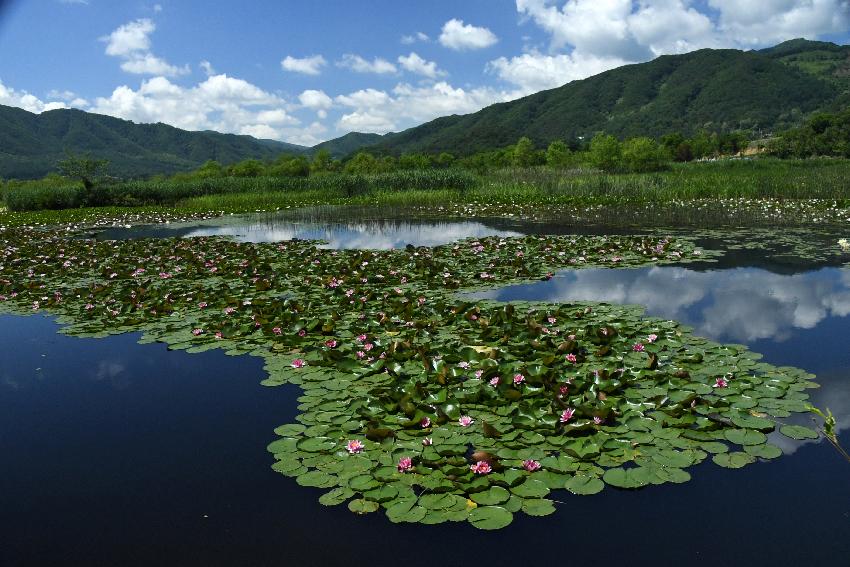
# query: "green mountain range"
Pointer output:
{"type": "Point", "coordinates": [715, 89]}
{"type": "Point", "coordinates": [31, 144]}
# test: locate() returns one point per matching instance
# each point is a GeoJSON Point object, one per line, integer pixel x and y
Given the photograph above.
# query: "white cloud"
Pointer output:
{"type": "Point", "coordinates": [411, 39]}
{"type": "Point", "coordinates": [457, 35]}
{"type": "Point", "coordinates": [772, 21]}
{"type": "Point", "coordinates": [378, 111]}
{"type": "Point", "coordinates": [130, 39]}
{"type": "Point", "coordinates": [221, 103]}
{"type": "Point", "coordinates": [311, 65]}
{"type": "Point", "coordinates": [317, 100]}
{"type": "Point", "coordinates": [357, 64]}
{"type": "Point", "coordinates": [131, 42]}
{"type": "Point", "coordinates": [416, 64]}
{"type": "Point", "coordinates": [150, 64]}
{"type": "Point", "coordinates": [27, 101]}
{"type": "Point", "coordinates": [207, 67]}
{"type": "Point", "coordinates": [534, 71]}
{"type": "Point", "coordinates": [638, 30]}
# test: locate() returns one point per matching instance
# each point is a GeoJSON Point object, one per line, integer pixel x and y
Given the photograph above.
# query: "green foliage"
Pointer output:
{"type": "Point", "coordinates": [33, 143]}
{"type": "Point", "coordinates": [822, 135]}
{"type": "Point", "coordinates": [606, 152]}
{"type": "Point", "coordinates": [523, 154]}
{"type": "Point", "coordinates": [717, 90]}
{"type": "Point", "coordinates": [85, 169]}
{"type": "Point", "coordinates": [642, 155]}
{"type": "Point", "coordinates": [557, 154]}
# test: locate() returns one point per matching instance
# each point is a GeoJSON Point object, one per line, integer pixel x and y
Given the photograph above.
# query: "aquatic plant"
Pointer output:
{"type": "Point", "coordinates": [416, 401]}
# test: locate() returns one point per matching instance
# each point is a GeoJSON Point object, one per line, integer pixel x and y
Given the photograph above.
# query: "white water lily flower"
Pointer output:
{"type": "Point", "coordinates": [845, 244]}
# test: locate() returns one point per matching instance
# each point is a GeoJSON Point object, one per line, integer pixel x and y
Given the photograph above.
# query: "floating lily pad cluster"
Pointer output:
{"type": "Point", "coordinates": [419, 403]}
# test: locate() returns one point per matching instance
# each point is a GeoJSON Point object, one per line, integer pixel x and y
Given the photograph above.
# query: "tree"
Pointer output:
{"type": "Point", "coordinates": [606, 152]}
{"type": "Point", "coordinates": [445, 159]}
{"type": "Point", "coordinates": [211, 168]}
{"type": "Point", "coordinates": [363, 163]}
{"type": "Point", "coordinates": [322, 162]}
{"type": "Point", "coordinates": [83, 168]}
{"type": "Point", "coordinates": [289, 166]}
{"type": "Point", "coordinates": [642, 155]}
{"type": "Point", "coordinates": [247, 168]}
{"type": "Point", "coordinates": [557, 154]}
{"type": "Point", "coordinates": [523, 153]}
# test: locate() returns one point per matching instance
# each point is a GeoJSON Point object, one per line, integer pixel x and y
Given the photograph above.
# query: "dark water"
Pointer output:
{"type": "Point", "coordinates": [114, 453]}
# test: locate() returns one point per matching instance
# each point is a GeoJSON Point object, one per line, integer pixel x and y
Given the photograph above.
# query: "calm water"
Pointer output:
{"type": "Point", "coordinates": [118, 453]}
{"type": "Point", "coordinates": [376, 234]}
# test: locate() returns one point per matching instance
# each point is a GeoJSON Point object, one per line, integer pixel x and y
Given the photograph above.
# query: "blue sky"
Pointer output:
{"type": "Point", "coordinates": [306, 71]}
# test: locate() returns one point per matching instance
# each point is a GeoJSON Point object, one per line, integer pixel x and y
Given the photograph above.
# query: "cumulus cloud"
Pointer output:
{"type": "Point", "coordinates": [591, 36]}
{"type": "Point", "coordinates": [207, 68]}
{"type": "Point", "coordinates": [459, 36]}
{"type": "Point", "coordinates": [220, 102]}
{"type": "Point", "coordinates": [311, 65]}
{"type": "Point", "coordinates": [316, 100]}
{"type": "Point", "coordinates": [413, 38]}
{"type": "Point", "coordinates": [29, 102]}
{"type": "Point", "coordinates": [378, 111]}
{"type": "Point", "coordinates": [358, 64]}
{"type": "Point", "coordinates": [535, 71]}
{"type": "Point", "coordinates": [413, 63]}
{"type": "Point", "coordinates": [131, 42]}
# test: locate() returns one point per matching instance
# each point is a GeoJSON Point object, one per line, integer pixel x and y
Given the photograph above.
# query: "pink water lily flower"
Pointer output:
{"type": "Point", "coordinates": [405, 464]}
{"type": "Point", "coordinates": [331, 343]}
{"type": "Point", "coordinates": [494, 381]}
{"type": "Point", "coordinates": [463, 364]}
{"type": "Point", "coordinates": [518, 379]}
{"type": "Point", "coordinates": [638, 347]}
{"type": "Point", "coordinates": [531, 465]}
{"type": "Point", "coordinates": [651, 338]}
{"type": "Point", "coordinates": [721, 383]}
{"type": "Point", "coordinates": [571, 358]}
{"type": "Point", "coordinates": [196, 332]}
{"type": "Point", "coordinates": [277, 330]}
{"type": "Point", "coordinates": [567, 415]}
{"type": "Point", "coordinates": [298, 363]}
{"type": "Point", "coordinates": [481, 467]}
{"type": "Point", "coordinates": [354, 446]}
{"type": "Point", "coordinates": [425, 422]}
{"type": "Point", "coordinates": [465, 421]}
{"type": "Point", "coordinates": [597, 420]}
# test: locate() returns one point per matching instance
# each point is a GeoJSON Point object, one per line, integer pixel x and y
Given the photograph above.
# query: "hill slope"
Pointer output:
{"type": "Point", "coordinates": [715, 89]}
{"type": "Point", "coordinates": [31, 144]}
{"type": "Point", "coordinates": [348, 144]}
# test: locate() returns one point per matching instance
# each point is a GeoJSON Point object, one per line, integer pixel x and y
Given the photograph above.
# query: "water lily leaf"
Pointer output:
{"type": "Point", "coordinates": [584, 485]}
{"type": "Point", "coordinates": [734, 460]}
{"type": "Point", "coordinates": [490, 517]}
{"type": "Point", "coordinates": [745, 436]}
{"type": "Point", "coordinates": [538, 507]}
{"type": "Point", "coordinates": [495, 495]}
{"type": "Point", "coordinates": [628, 478]}
{"type": "Point", "coordinates": [336, 496]}
{"type": "Point", "coordinates": [361, 506]}
{"type": "Point", "coordinates": [766, 451]}
{"type": "Point", "coordinates": [531, 488]}
{"type": "Point", "coordinates": [798, 432]}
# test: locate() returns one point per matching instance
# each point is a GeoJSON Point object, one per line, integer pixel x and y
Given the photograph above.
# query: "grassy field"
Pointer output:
{"type": "Point", "coordinates": [826, 180]}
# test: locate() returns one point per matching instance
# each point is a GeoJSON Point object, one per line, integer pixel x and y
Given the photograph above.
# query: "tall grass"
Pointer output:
{"type": "Point", "coordinates": [51, 194]}
{"type": "Point", "coordinates": [764, 178]}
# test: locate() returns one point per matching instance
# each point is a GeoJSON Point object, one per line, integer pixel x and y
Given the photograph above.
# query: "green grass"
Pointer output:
{"type": "Point", "coordinates": [822, 179]}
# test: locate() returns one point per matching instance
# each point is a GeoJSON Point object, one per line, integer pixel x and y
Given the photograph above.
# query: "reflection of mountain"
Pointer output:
{"type": "Point", "coordinates": [743, 304]}
{"type": "Point", "coordinates": [373, 234]}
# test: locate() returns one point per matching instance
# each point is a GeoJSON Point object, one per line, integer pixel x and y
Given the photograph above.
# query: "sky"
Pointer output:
{"type": "Point", "coordinates": [305, 71]}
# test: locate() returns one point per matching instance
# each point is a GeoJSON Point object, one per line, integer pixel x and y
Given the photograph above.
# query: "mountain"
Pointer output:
{"type": "Point", "coordinates": [717, 89]}
{"type": "Point", "coordinates": [348, 144]}
{"type": "Point", "coordinates": [31, 144]}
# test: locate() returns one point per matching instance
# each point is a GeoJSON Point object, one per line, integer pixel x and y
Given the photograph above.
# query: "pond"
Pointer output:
{"type": "Point", "coordinates": [378, 234]}
{"type": "Point", "coordinates": [120, 453]}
